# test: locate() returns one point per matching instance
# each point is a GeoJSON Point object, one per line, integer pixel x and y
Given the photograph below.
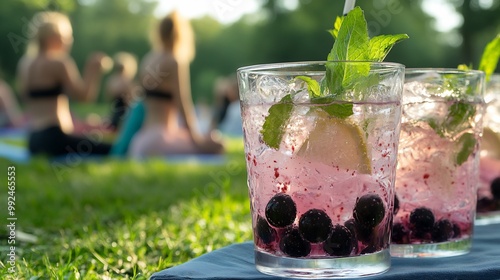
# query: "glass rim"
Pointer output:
{"type": "Point", "coordinates": [263, 68]}
{"type": "Point", "coordinates": [443, 71]}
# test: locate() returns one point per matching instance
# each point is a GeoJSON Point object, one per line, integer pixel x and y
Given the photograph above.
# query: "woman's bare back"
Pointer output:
{"type": "Point", "coordinates": [39, 74]}
{"type": "Point", "coordinates": [159, 73]}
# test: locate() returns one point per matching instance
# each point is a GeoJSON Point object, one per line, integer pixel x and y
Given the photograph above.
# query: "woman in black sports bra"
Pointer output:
{"type": "Point", "coordinates": [47, 77]}
{"type": "Point", "coordinates": [170, 124]}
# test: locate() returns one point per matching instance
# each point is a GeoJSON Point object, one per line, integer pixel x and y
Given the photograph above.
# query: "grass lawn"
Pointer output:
{"type": "Point", "coordinates": [121, 219]}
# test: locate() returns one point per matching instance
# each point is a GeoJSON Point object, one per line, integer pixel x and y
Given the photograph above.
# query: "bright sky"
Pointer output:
{"type": "Point", "coordinates": [446, 16]}
{"type": "Point", "coordinates": [227, 11]}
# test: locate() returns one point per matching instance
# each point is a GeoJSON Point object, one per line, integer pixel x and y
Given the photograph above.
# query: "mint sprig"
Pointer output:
{"type": "Point", "coordinates": [490, 57]}
{"type": "Point", "coordinates": [458, 118]}
{"type": "Point", "coordinates": [352, 43]}
{"type": "Point", "coordinates": [460, 113]}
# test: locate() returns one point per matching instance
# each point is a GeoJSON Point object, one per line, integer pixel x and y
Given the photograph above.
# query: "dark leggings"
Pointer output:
{"type": "Point", "coordinates": [221, 111]}
{"type": "Point", "coordinates": [52, 141]}
{"type": "Point", "coordinates": [118, 111]}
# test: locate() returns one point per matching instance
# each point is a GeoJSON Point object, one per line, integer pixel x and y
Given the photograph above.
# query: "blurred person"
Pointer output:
{"type": "Point", "coordinates": [47, 77]}
{"type": "Point", "coordinates": [10, 112]}
{"type": "Point", "coordinates": [226, 98]}
{"type": "Point", "coordinates": [170, 125]}
{"type": "Point", "coordinates": [120, 85]}
{"type": "Point", "coordinates": [132, 123]}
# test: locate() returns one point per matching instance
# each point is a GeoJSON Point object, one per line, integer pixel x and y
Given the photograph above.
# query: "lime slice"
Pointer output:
{"type": "Point", "coordinates": [338, 143]}
{"type": "Point", "coordinates": [491, 143]}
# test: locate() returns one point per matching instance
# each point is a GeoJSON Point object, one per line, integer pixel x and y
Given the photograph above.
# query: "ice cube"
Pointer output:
{"type": "Point", "coordinates": [271, 89]}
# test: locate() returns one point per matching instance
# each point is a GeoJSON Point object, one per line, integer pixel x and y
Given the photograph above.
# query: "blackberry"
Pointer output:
{"type": "Point", "coordinates": [485, 204]}
{"type": "Point", "coordinates": [361, 232]}
{"type": "Point", "coordinates": [266, 233]}
{"type": "Point", "coordinates": [340, 242]}
{"type": "Point", "coordinates": [396, 205]}
{"type": "Point", "coordinates": [399, 234]}
{"type": "Point", "coordinates": [495, 188]}
{"type": "Point", "coordinates": [442, 231]}
{"type": "Point", "coordinates": [368, 250]}
{"type": "Point", "coordinates": [292, 244]}
{"type": "Point", "coordinates": [281, 210]}
{"type": "Point", "coordinates": [315, 225]}
{"type": "Point", "coordinates": [369, 210]}
{"type": "Point", "coordinates": [351, 226]}
{"type": "Point", "coordinates": [422, 220]}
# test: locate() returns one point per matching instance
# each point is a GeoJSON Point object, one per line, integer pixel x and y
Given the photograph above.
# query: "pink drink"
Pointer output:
{"type": "Point", "coordinates": [322, 199]}
{"type": "Point", "coordinates": [488, 195]}
{"type": "Point", "coordinates": [437, 170]}
{"type": "Point", "coordinates": [316, 185]}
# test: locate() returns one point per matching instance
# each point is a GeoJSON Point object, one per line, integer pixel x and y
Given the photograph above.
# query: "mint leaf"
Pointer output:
{"type": "Point", "coordinates": [371, 80]}
{"type": "Point", "coordinates": [336, 27]}
{"type": "Point", "coordinates": [274, 125]}
{"type": "Point", "coordinates": [352, 39]}
{"type": "Point", "coordinates": [342, 111]}
{"type": "Point", "coordinates": [458, 114]}
{"type": "Point", "coordinates": [380, 46]}
{"type": "Point", "coordinates": [464, 67]}
{"type": "Point", "coordinates": [467, 143]}
{"type": "Point", "coordinates": [489, 59]}
{"type": "Point", "coordinates": [435, 126]}
{"type": "Point", "coordinates": [339, 110]}
{"type": "Point", "coordinates": [312, 85]}
{"type": "Point", "coordinates": [351, 44]}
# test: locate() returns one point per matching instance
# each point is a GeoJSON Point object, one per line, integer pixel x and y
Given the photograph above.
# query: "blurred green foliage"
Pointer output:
{"type": "Point", "coordinates": [274, 34]}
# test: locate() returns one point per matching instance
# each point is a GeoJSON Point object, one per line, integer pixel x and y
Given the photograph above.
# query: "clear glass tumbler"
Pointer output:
{"type": "Point", "coordinates": [488, 195]}
{"type": "Point", "coordinates": [438, 163]}
{"type": "Point", "coordinates": [321, 165]}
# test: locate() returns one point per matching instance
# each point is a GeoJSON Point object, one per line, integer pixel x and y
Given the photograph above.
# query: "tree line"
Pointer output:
{"type": "Point", "coordinates": [277, 33]}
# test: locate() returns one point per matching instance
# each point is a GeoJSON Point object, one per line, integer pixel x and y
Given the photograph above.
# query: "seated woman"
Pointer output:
{"type": "Point", "coordinates": [47, 77]}
{"type": "Point", "coordinates": [170, 122]}
{"type": "Point", "coordinates": [120, 85]}
{"type": "Point", "coordinates": [227, 115]}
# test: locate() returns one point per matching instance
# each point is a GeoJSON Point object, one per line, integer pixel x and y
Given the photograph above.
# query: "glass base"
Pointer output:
{"type": "Point", "coordinates": [432, 250]}
{"type": "Point", "coordinates": [364, 265]}
{"type": "Point", "coordinates": [487, 218]}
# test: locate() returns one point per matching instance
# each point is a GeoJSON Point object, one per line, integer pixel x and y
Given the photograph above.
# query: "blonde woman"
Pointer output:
{"type": "Point", "coordinates": [120, 86]}
{"type": "Point", "coordinates": [48, 76]}
{"type": "Point", "coordinates": [170, 122]}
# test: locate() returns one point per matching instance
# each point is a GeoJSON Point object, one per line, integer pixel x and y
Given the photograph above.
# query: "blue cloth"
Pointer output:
{"type": "Point", "coordinates": [132, 124]}
{"type": "Point", "coordinates": [236, 262]}
{"type": "Point", "coordinates": [14, 153]}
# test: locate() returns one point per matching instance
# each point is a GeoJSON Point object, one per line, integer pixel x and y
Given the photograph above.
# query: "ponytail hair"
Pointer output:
{"type": "Point", "coordinates": [176, 35]}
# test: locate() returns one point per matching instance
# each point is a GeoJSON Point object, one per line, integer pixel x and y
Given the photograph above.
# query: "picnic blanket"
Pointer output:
{"type": "Point", "coordinates": [236, 262]}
